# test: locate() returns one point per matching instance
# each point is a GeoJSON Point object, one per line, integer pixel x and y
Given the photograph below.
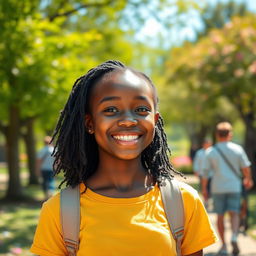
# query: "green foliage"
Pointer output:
{"type": "Point", "coordinates": [211, 78]}
{"type": "Point", "coordinates": [186, 170]}
{"type": "Point", "coordinates": [217, 15]}
{"type": "Point", "coordinates": [226, 59]}
{"type": "Point", "coordinates": [41, 58]}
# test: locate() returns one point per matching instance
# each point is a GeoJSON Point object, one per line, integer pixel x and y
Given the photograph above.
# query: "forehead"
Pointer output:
{"type": "Point", "coordinates": [123, 81]}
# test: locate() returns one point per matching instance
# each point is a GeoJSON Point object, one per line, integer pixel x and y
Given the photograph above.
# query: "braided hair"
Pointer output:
{"type": "Point", "coordinates": [76, 151]}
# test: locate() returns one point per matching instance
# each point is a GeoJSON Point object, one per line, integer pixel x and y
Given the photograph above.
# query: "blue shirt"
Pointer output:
{"type": "Point", "coordinates": [198, 162]}
{"type": "Point", "coordinates": [48, 159]}
{"type": "Point", "coordinates": [224, 180]}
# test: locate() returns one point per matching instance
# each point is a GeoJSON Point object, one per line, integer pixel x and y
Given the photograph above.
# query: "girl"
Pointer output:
{"type": "Point", "coordinates": [110, 140]}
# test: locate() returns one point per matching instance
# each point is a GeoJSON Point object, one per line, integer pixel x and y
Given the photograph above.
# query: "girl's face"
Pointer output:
{"type": "Point", "coordinates": [122, 114]}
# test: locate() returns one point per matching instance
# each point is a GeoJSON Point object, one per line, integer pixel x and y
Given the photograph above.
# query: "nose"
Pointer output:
{"type": "Point", "coordinates": [127, 120]}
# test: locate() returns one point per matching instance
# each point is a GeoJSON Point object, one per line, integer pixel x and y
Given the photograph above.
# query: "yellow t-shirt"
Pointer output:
{"type": "Point", "coordinates": [124, 226]}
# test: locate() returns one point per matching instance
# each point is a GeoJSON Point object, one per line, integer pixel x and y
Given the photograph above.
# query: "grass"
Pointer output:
{"type": "Point", "coordinates": [3, 170]}
{"type": "Point", "coordinates": [17, 227]}
{"type": "Point", "coordinates": [18, 221]}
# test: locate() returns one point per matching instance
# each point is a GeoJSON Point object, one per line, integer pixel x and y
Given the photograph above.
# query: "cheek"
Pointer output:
{"type": "Point", "coordinates": [102, 125]}
{"type": "Point", "coordinates": [151, 120]}
{"type": "Point", "coordinates": [151, 125]}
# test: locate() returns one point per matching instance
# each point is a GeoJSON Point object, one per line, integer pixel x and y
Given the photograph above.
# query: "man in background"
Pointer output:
{"type": "Point", "coordinates": [231, 168]}
{"type": "Point", "coordinates": [198, 166]}
{"type": "Point", "coordinates": [45, 167]}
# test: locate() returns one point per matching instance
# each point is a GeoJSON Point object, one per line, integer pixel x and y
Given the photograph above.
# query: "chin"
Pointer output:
{"type": "Point", "coordinates": [127, 156]}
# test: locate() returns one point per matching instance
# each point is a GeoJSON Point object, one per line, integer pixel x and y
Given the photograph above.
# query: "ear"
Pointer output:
{"type": "Point", "coordinates": [156, 116]}
{"type": "Point", "coordinates": [88, 124]}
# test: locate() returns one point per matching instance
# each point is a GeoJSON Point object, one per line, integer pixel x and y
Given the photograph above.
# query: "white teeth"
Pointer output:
{"type": "Point", "coordinates": [126, 137]}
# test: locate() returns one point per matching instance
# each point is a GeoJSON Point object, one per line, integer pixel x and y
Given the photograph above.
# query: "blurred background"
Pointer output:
{"type": "Point", "coordinates": [201, 55]}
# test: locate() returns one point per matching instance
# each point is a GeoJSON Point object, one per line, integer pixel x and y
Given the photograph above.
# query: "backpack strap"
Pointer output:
{"type": "Point", "coordinates": [70, 218]}
{"type": "Point", "coordinates": [174, 210]}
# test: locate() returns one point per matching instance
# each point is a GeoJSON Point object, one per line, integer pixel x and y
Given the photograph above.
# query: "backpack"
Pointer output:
{"type": "Point", "coordinates": [70, 214]}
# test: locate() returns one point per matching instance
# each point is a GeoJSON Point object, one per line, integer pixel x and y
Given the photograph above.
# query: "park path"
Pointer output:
{"type": "Point", "coordinates": [246, 244]}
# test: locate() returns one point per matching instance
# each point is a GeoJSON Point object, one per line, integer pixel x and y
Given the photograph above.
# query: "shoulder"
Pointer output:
{"type": "Point", "coordinates": [50, 148]}
{"type": "Point", "coordinates": [236, 147]}
{"type": "Point", "coordinates": [198, 231]}
{"type": "Point", "coordinates": [42, 150]}
{"type": "Point", "coordinates": [189, 194]}
{"type": "Point", "coordinates": [199, 153]}
{"type": "Point", "coordinates": [191, 200]}
{"type": "Point", "coordinates": [211, 151]}
{"type": "Point", "coordinates": [52, 206]}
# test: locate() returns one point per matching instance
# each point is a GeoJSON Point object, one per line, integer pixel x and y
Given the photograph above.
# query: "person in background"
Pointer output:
{"type": "Point", "coordinates": [45, 162]}
{"type": "Point", "coordinates": [231, 168]}
{"type": "Point", "coordinates": [198, 166]}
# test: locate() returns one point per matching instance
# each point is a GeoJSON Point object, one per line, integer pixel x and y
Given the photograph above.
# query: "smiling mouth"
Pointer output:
{"type": "Point", "coordinates": [126, 138]}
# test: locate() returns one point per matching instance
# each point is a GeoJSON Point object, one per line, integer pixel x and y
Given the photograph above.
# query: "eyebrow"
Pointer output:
{"type": "Point", "coordinates": [109, 98]}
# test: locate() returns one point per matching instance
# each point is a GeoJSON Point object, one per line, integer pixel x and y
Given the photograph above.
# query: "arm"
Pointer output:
{"type": "Point", "coordinates": [39, 162]}
{"type": "Point", "coordinates": [247, 177]}
{"type": "Point", "coordinates": [198, 253]}
{"type": "Point", "coordinates": [204, 188]}
{"type": "Point", "coordinates": [196, 164]}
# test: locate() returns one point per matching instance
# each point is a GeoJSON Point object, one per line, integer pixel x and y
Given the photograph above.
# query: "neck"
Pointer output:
{"type": "Point", "coordinates": [121, 175]}
{"type": "Point", "coordinates": [223, 139]}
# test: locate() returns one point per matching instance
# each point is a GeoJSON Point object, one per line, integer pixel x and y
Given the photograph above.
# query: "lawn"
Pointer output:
{"type": "Point", "coordinates": [18, 221]}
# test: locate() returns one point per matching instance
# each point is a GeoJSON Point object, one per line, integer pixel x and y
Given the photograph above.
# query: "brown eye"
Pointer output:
{"type": "Point", "coordinates": [142, 109]}
{"type": "Point", "coordinates": [110, 110]}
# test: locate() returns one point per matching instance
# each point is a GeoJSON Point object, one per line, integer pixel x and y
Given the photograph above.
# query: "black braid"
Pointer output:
{"type": "Point", "coordinates": [76, 151]}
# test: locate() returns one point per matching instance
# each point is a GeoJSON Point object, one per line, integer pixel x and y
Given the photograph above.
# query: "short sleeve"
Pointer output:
{"type": "Point", "coordinates": [244, 159]}
{"type": "Point", "coordinates": [48, 239]}
{"type": "Point", "coordinates": [196, 163]}
{"type": "Point", "coordinates": [198, 230]}
{"type": "Point", "coordinates": [206, 164]}
{"type": "Point", "coordinates": [42, 152]}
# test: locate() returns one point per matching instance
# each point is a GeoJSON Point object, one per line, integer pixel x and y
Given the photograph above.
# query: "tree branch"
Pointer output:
{"type": "Point", "coordinates": [82, 6]}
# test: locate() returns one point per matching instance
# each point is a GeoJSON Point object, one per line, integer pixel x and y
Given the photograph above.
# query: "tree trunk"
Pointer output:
{"type": "Point", "coordinates": [250, 145]}
{"type": "Point", "coordinates": [197, 136]}
{"type": "Point", "coordinates": [29, 138]}
{"type": "Point", "coordinates": [14, 190]}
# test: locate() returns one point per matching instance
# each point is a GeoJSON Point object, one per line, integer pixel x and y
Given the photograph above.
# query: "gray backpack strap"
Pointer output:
{"type": "Point", "coordinates": [70, 218]}
{"type": "Point", "coordinates": [174, 210]}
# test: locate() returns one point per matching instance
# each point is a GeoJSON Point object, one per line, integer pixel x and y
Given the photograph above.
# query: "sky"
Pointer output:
{"type": "Point", "coordinates": [155, 34]}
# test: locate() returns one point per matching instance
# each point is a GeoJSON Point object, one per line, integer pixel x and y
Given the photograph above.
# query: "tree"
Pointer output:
{"type": "Point", "coordinates": [197, 99]}
{"type": "Point", "coordinates": [29, 78]}
{"type": "Point", "coordinates": [230, 66]}
{"type": "Point", "coordinates": [225, 62]}
{"type": "Point", "coordinates": [193, 106]}
{"type": "Point", "coordinates": [41, 42]}
{"type": "Point", "coordinates": [220, 14]}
